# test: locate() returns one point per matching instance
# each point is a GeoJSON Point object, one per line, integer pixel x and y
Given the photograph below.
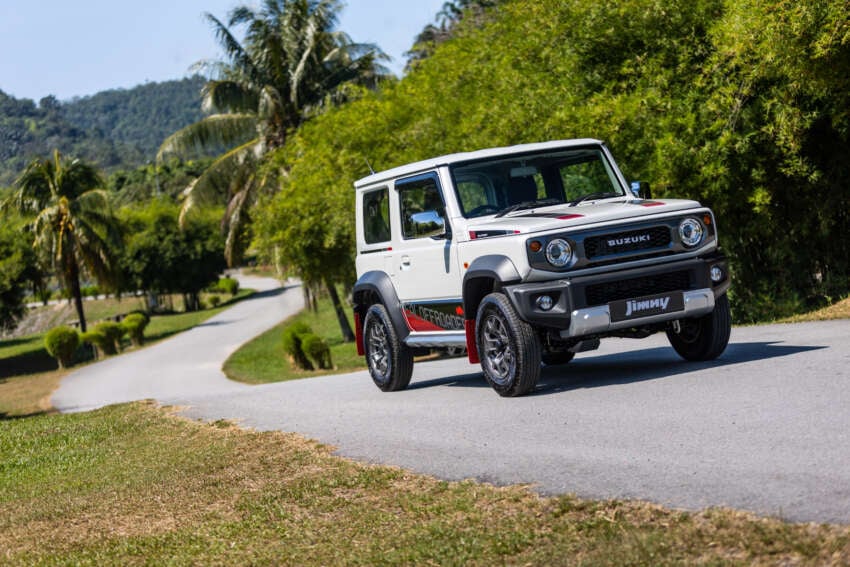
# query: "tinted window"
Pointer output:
{"type": "Point", "coordinates": [376, 216]}
{"type": "Point", "coordinates": [421, 204]}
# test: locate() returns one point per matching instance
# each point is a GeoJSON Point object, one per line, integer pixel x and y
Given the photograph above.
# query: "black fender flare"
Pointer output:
{"type": "Point", "coordinates": [485, 275]}
{"type": "Point", "coordinates": [376, 286]}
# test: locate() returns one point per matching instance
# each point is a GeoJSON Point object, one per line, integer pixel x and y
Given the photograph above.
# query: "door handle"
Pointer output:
{"type": "Point", "coordinates": [405, 262]}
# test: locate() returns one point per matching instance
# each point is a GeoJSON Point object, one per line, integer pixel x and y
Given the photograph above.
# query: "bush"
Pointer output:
{"type": "Point", "coordinates": [317, 351]}
{"type": "Point", "coordinates": [228, 285]}
{"type": "Point", "coordinates": [134, 324]}
{"type": "Point", "coordinates": [293, 336]}
{"type": "Point", "coordinates": [215, 300]}
{"type": "Point", "coordinates": [113, 333]}
{"type": "Point", "coordinates": [103, 346]}
{"type": "Point", "coordinates": [61, 343]}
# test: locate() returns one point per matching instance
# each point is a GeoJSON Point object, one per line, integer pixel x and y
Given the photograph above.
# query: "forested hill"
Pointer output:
{"type": "Point", "coordinates": [115, 128]}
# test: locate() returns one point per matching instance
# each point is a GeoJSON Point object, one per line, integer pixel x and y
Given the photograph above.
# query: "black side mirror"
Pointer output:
{"type": "Point", "coordinates": [640, 189]}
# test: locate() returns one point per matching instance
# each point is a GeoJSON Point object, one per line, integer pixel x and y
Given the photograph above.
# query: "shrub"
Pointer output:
{"type": "Point", "coordinates": [134, 324]}
{"type": "Point", "coordinates": [228, 285]}
{"type": "Point", "coordinates": [215, 300]}
{"type": "Point", "coordinates": [113, 332]}
{"type": "Point", "coordinates": [98, 340]}
{"type": "Point", "coordinates": [61, 343]}
{"type": "Point", "coordinates": [317, 351]}
{"type": "Point", "coordinates": [292, 344]}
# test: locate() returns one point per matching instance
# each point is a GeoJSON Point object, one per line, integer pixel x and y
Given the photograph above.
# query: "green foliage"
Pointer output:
{"type": "Point", "coordinates": [741, 105]}
{"type": "Point", "coordinates": [134, 325]}
{"type": "Point", "coordinates": [160, 257]}
{"type": "Point", "coordinates": [228, 285]}
{"type": "Point", "coordinates": [61, 343]}
{"type": "Point", "coordinates": [73, 226]}
{"type": "Point", "coordinates": [215, 301]}
{"type": "Point", "coordinates": [113, 332]}
{"type": "Point", "coordinates": [293, 337]}
{"type": "Point", "coordinates": [116, 128]}
{"type": "Point", "coordinates": [18, 267]}
{"type": "Point", "coordinates": [317, 351]}
{"type": "Point", "coordinates": [99, 341]}
{"type": "Point", "coordinates": [291, 64]}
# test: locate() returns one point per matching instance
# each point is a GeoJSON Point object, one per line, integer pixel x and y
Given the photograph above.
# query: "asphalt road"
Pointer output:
{"type": "Point", "coordinates": [765, 428]}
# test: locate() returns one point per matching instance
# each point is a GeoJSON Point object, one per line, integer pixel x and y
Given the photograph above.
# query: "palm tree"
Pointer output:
{"type": "Point", "coordinates": [291, 64]}
{"type": "Point", "coordinates": [73, 225]}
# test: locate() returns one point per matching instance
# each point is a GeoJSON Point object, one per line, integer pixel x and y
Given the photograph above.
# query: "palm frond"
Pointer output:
{"type": "Point", "coordinates": [211, 132]}
{"type": "Point", "coordinates": [216, 184]}
{"type": "Point", "coordinates": [228, 96]}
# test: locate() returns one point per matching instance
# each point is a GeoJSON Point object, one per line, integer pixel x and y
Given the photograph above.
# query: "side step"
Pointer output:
{"type": "Point", "coordinates": [436, 340]}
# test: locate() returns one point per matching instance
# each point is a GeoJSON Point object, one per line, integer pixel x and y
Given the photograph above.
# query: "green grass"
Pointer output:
{"type": "Point", "coordinates": [262, 360]}
{"type": "Point", "coordinates": [132, 484]}
{"type": "Point", "coordinates": [28, 375]}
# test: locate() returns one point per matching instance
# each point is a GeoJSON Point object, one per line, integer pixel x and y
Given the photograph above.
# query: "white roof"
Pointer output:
{"type": "Point", "coordinates": [432, 163]}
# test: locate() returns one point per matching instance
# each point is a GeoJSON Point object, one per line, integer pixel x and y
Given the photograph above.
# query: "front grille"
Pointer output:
{"type": "Point", "coordinates": [615, 243]}
{"type": "Point", "coordinates": [602, 293]}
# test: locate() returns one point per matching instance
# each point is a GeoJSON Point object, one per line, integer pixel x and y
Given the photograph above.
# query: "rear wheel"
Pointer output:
{"type": "Point", "coordinates": [703, 338]}
{"type": "Point", "coordinates": [508, 347]}
{"type": "Point", "coordinates": [390, 361]}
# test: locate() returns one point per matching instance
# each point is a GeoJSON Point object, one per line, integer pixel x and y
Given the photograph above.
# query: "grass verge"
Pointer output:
{"type": "Point", "coordinates": [28, 375]}
{"type": "Point", "coordinates": [838, 310]}
{"type": "Point", "coordinates": [132, 484]}
{"type": "Point", "coordinates": [262, 360]}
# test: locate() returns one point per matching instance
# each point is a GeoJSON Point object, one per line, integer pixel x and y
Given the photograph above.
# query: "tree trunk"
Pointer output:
{"type": "Point", "coordinates": [347, 333]}
{"type": "Point", "coordinates": [76, 293]}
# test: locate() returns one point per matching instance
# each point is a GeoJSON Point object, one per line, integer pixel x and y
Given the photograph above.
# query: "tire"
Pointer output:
{"type": "Point", "coordinates": [553, 358]}
{"type": "Point", "coordinates": [390, 361]}
{"type": "Point", "coordinates": [706, 337]}
{"type": "Point", "coordinates": [508, 347]}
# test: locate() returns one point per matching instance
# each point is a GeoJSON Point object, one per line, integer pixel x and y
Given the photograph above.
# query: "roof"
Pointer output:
{"type": "Point", "coordinates": [449, 159]}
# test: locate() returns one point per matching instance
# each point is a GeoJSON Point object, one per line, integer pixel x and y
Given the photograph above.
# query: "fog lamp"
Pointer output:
{"type": "Point", "coordinates": [716, 274]}
{"type": "Point", "coordinates": [545, 303]}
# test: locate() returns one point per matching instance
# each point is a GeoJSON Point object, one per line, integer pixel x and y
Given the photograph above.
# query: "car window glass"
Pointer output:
{"type": "Point", "coordinates": [376, 216]}
{"type": "Point", "coordinates": [418, 197]}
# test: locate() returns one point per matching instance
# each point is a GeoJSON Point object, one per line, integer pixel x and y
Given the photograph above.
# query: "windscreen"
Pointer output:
{"type": "Point", "coordinates": [494, 186]}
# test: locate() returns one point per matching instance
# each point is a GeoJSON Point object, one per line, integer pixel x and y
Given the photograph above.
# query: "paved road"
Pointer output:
{"type": "Point", "coordinates": [766, 428]}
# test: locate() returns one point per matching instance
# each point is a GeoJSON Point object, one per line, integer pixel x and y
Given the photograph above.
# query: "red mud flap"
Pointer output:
{"type": "Point", "coordinates": [471, 347]}
{"type": "Point", "coordinates": [358, 334]}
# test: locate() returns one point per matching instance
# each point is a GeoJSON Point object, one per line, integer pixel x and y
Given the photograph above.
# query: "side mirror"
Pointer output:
{"type": "Point", "coordinates": [640, 189]}
{"type": "Point", "coordinates": [427, 224]}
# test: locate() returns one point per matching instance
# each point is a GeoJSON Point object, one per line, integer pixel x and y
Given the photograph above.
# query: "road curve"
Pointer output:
{"type": "Point", "coordinates": [765, 428]}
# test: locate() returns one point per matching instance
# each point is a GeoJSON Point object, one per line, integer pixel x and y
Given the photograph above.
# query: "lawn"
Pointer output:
{"type": "Point", "coordinates": [132, 484]}
{"type": "Point", "coordinates": [262, 360]}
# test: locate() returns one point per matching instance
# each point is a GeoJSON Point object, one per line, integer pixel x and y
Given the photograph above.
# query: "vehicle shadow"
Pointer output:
{"type": "Point", "coordinates": [628, 367]}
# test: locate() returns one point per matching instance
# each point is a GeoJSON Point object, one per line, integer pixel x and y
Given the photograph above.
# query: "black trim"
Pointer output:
{"type": "Point", "coordinates": [570, 294]}
{"type": "Point", "coordinates": [380, 284]}
{"type": "Point", "coordinates": [480, 278]}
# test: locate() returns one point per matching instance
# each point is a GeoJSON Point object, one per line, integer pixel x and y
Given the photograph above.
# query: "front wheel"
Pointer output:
{"type": "Point", "coordinates": [703, 338]}
{"type": "Point", "coordinates": [390, 361]}
{"type": "Point", "coordinates": [508, 347]}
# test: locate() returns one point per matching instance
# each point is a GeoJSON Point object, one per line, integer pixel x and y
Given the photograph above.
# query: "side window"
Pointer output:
{"type": "Point", "coordinates": [376, 216]}
{"type": "Point", "coordinates": [422, 210]}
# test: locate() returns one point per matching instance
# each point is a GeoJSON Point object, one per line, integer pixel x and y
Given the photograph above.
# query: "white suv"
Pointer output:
{"type": "Point", "coordinates": [527, 255]}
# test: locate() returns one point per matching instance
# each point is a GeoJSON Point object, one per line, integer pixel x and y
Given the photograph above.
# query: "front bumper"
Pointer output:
{"type": "Point", "coordinates": [582, 306]}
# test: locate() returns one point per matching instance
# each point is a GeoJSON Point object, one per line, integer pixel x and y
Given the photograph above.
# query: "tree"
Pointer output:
{"type": "Point", "coordinates": [73, 227]}
{"type": "Point", "coordinates": [291, 64]}
{"type": "Point", "coordinates": [160, 257]}
{"type": "Point", "coordinates": [18, 267]}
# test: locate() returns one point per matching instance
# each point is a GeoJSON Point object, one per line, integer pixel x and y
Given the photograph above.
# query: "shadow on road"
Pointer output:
{"type": "Point", "coordinates": [590, 371]}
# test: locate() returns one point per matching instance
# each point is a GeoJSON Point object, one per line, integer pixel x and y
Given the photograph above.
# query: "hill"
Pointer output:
{"type": "Point", "coordinates": [119, 128]}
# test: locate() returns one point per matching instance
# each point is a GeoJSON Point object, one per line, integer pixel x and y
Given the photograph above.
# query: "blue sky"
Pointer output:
{"type": "Point", "coordinates": [77, 48]}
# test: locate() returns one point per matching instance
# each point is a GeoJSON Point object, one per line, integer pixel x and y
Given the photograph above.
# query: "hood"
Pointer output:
{"type": "Point", "coordinates": [555, 217]}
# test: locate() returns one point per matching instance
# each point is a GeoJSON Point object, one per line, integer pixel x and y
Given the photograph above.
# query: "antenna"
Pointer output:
{"type": "Point", "coordinates": [372, 171]}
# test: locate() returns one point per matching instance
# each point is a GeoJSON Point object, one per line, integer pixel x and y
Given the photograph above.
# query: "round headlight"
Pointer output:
{"type": "Point", "coordinates": [559, 252]}
{"type": "Point", "coordinates": [691, 232]}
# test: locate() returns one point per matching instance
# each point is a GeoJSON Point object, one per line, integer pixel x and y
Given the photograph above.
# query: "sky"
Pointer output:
{"type": "Point", "coordinates": [78, 48]}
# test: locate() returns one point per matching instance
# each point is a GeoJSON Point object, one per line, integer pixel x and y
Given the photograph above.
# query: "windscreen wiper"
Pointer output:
{"type": "Point", "coordinates": [528, 205]}
{"type": "Point", "coordinates": [590, 196]}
